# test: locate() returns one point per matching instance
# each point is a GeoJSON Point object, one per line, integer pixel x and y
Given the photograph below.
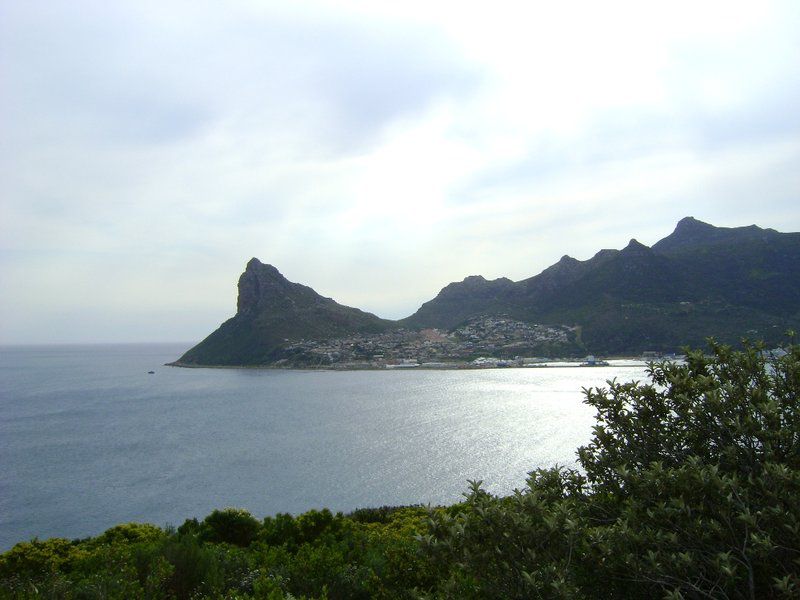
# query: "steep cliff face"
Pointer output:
{"type": "Point", "coordinates": [261, 286]}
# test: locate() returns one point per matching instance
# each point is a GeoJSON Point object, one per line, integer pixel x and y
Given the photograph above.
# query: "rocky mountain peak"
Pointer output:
{"type": "Point", "coordinates": [692, 225]}
{"type": "Point", "coordinates": [474, 284]}
{"type": "Point", "coordinates": [635, 248]}
{"type": "Point", "coordinates": [260, 282]}
{"type": "Point", "coordinates": [604, 254]}
{"type": "Point", "coordinates": [691, 234]}
{"type": "Point", "coordinates": [477, 279]}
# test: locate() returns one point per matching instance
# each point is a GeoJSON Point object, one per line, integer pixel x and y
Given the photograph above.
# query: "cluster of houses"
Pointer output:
{"type": "Point", "coordinates": [504, 332]}
{"type": "Point", "coordinates": [500, 337]}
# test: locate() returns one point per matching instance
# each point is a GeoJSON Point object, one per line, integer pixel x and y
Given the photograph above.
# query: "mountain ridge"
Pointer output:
{"type": "Point", "coordinates": [700, 281]}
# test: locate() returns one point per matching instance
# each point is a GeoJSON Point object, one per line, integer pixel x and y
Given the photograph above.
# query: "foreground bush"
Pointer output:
{"type": "Point", "coordinates": [229, 554]}
{"type": "Point", "coordinates": [689, 488]}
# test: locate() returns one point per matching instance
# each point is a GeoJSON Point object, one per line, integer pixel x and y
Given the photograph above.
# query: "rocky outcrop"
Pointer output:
{"type": "Point", "coordinates": [273, 312]}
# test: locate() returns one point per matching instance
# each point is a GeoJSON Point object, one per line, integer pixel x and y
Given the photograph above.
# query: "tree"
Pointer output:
{"type": "Point", "coordinates": [738, 410]}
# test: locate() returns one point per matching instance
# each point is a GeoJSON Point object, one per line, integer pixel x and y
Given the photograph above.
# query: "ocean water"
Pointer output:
{"type": "Point", "coordinates": [88, 439]}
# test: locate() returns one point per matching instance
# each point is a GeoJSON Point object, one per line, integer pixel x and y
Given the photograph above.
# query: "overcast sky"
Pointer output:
{"type": "Point", "coordinates": [375, 151]}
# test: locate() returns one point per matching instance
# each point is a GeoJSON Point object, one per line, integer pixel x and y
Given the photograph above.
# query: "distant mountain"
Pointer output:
{"type": "Point", "coordinates": [699, 281]}
{"type": "Point", "coordinates": [271, 311]}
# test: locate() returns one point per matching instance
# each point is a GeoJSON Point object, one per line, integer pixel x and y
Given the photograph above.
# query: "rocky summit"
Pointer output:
{"type": "Point", "coordinates": [701, 281]}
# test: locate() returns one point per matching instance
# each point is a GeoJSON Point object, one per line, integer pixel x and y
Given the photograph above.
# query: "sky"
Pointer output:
{"type": "Point", "coordinates": [375, 151]}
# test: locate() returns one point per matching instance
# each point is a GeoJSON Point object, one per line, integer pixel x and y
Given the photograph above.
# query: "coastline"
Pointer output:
{"type": "Point", "coordinates": [455, 366]}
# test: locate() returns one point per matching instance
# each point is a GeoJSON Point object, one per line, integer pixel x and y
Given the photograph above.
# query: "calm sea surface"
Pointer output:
{"type": "Point", "coordinates": [88, 439]}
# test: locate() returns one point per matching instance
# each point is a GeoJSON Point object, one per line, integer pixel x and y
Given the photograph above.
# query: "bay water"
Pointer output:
{"type": "Point", "coordinates": [89, 439]}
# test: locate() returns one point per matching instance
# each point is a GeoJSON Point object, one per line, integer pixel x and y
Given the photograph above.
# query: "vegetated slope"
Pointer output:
{"type": "Point", "coordinates": [271, 310]}
{"type": "Point", "coordinates": [743, 266]}
{"type": "Point", "coordinates": [700, 281]}
{"type": "Point", "coordinates": [458, 302]}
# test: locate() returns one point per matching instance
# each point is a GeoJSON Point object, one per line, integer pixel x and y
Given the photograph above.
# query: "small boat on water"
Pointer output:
{"type": "Point", "coordinates": [151, 372]}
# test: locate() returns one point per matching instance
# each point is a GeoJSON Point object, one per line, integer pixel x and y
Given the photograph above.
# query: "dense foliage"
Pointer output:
{"type": "Point", "coordinates": [689, 488]}
{"type": "Point", "coordinates": [366, 554]}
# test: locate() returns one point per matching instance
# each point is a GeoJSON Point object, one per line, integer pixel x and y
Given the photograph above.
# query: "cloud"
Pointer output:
{"type": "Point", "coordinates": [374, 151]}
{"type": "Point", "coordinates": [231, 117]}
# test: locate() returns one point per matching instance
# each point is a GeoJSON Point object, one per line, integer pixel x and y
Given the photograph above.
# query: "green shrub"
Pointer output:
{"type": "Point", "coordinates": [193, 568]}
{"type": "Point", "coordinates": [230, 525]}
{"type": "Point", "coordinates": [129, 533]}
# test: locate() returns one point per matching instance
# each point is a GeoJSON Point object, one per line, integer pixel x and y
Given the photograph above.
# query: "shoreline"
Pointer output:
{"type": "Point", "coordinates": [460, 366]}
